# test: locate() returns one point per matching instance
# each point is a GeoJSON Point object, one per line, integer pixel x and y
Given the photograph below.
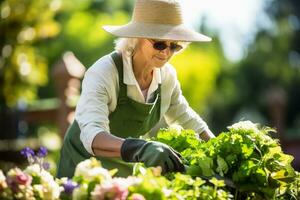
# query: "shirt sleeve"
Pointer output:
{"type": "Point", "coordinates": [92, 109]}
{"type": "Point", "coordinates": [181, 113]}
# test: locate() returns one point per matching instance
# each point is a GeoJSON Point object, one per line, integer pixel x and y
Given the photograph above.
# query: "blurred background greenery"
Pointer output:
{"type": "Point", "coordinates": [243, 74]}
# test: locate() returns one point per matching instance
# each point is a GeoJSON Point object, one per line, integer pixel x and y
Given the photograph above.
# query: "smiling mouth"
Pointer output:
{"type": "Point", "coordinates": [162, 59]}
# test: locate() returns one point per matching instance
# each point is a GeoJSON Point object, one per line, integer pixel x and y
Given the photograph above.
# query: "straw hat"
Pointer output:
{"type": "Point", "coordinates": [157, 19]}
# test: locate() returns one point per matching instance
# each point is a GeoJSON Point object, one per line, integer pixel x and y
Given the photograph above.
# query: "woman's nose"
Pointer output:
{"type": "Point", "coordinates": [166, 52]}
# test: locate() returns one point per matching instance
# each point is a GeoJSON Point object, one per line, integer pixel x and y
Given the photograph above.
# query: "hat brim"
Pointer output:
{"type": "Point", "coordinates": [157, 31]}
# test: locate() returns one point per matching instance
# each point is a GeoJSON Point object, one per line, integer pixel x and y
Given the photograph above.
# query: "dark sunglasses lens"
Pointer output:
{"type": "Point", "coordinates": [175, 47]}
{"type": "Point", "coordinates": [159, 46]}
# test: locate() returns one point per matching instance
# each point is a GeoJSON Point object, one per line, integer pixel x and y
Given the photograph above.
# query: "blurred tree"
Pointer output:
{"type": "Point", "coordinates": [82, 34]}
{"type": "Point", "coordinates": [270, 73]}
{"type": "Point", "coordinates": [22, 68]}
{"type": "Point", "coordinates": [197, 68]}
{"type": "Point", "coordinates": [30, 46]}
{"type": "Point", "coordinates": [24, 25]}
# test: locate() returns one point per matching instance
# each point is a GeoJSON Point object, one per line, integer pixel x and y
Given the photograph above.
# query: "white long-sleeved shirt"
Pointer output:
{"type": "Point", "coordinates": [100, 89]}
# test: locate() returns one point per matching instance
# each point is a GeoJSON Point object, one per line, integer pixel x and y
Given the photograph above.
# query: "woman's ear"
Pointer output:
{"type": "Point", "coordinates": [137, 45]}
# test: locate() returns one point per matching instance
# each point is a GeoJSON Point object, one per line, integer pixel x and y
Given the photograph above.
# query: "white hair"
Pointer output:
{"type": "Point", "coordinates": [127, 45]}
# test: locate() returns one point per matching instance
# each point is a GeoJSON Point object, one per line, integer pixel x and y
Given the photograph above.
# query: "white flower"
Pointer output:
{"type": "Point", "coordinates": [2, 177]}
{"type": "Point", "coordinates": [90, 169]}
{"type": "Point", "coordinates": [51, 189]}
{"type": "Point", "coordinates": [2, 180]}
{"type": "Point", "coordinates": [62, 180]}
{"type": "Point", "coordinates": [167, 192]}
{"type": "Point", "coordinates": [33, 169]}
{"type": "Point", "coordinates": [125, 182]}
{"type": "Point", "coordinates": [80, 192]}
{"type": "Point", "coordinates": [48, 188]}
{"type": "Point", "coordinates": [176, 128]}
{"type": "Point", "coordinates": [244, 125]}
{"type": "Point", "coordinates": [39, 189]}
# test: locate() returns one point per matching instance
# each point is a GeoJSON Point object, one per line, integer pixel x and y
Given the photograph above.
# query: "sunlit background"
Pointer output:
{"type": "Point", "coordinates": [250, 71]}
{"type": "Point", "coordinates": [236, 22]}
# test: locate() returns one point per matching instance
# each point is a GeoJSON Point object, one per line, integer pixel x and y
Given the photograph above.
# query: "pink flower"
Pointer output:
{"type": "Point", "coordinates": [137, 196]}
{"type": "Point", "coordinates": [110, 191]}
{"type": "Point", "coordinates": [23, 179]}
{"type": "Point", "coordinates": [116, 189]}
{"type": "Point", "coordinates": [16, 177]}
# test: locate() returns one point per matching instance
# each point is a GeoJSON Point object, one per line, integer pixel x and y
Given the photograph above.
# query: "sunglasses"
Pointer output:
{"type": "Point", "coordinates": [161, 45]}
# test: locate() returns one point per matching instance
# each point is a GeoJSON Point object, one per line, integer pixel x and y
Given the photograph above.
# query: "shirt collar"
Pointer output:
{"type": "Point", "coordinates": [128, 75]}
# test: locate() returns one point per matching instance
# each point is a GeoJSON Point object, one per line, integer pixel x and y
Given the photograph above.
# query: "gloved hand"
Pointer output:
{"type": "Point", "coordinates": [152, 154]}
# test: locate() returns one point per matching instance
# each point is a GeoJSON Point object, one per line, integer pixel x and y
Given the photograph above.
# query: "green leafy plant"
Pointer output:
{"type": "Point", "coordinates": [246, 154]}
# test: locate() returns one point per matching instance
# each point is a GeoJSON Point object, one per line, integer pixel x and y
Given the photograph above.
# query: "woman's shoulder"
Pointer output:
{"type": "Point", "coordinates": [104, 65]}
{"type": "Point", "coordinates": [103, 70]}
{"type": "Point", "coordinates": [168, 72]}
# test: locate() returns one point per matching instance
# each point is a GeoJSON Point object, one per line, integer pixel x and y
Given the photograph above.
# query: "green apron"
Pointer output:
{"type": "Point", "coordinates": [129, 119]}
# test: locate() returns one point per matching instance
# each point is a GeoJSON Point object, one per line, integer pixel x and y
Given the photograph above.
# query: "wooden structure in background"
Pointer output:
{"type": "Point", "coordinates": [67, 75]}
{"type": "Point", "coordinates": [277, 104]}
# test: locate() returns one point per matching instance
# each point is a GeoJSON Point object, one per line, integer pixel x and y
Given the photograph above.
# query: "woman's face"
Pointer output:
{"type": "Point", "coordinates": [152, 56]}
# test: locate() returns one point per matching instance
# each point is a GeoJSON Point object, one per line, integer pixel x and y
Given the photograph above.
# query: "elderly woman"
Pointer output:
{"type": "Point", "coordinates": [126, 93]}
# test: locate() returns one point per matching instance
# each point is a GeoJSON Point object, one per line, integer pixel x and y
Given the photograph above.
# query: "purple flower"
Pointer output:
{"type": "Point", "coordinates": [42, 152]}
{"type": "Point", "coordinates": [27, 152]}
{"type": "Point", "coordinates": [69, 186]}
{"type": "Point", "coordinates": [36, 159]}
{"type": "Point", "coordinates": [46, 165]}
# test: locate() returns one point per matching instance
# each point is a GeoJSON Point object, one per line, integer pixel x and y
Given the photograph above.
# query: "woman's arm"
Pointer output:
{"type": "Point", "coordinates": [98, 93]}
{"type": "Point", "coordinates": [107, 145]}
{"type": "Point", "coordinates": [179, 111]}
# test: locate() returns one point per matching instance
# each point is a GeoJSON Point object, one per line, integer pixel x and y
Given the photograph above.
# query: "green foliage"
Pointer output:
{"type": "Point", "coordinates": [267, 75]}
{"type": "Point", "coordinates": [198, 75]}
{"type": "Point", "coordinates": [28, 51]}
{"type": "Point", "coordinates": [246, 154]}
{"type": "Point", "coordinates": [22, 67]}
{"type": "Point", "coordinates": [186, 187]}
{"type": "Point", "coordinates": [153, 189]}
{"type": "Point", "coordinates": [180, 139]}
{"type": "Point", "coordinates": [82, 34]}
{"type": "Point", "coordinates": [178, 186]}
{"type": "Point", "coordinates": [81, 29]}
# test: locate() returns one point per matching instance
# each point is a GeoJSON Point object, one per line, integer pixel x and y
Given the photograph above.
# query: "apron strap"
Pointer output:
{"type": "Point", "coordinates": [117, 58]}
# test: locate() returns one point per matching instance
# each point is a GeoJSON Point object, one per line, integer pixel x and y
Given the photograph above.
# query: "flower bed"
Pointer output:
{"type": "Point", "coordinates": [243, 163]}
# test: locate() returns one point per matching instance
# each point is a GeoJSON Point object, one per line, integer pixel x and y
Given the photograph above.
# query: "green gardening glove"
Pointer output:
{"type": "Point", "coordinates": [152, 154]}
